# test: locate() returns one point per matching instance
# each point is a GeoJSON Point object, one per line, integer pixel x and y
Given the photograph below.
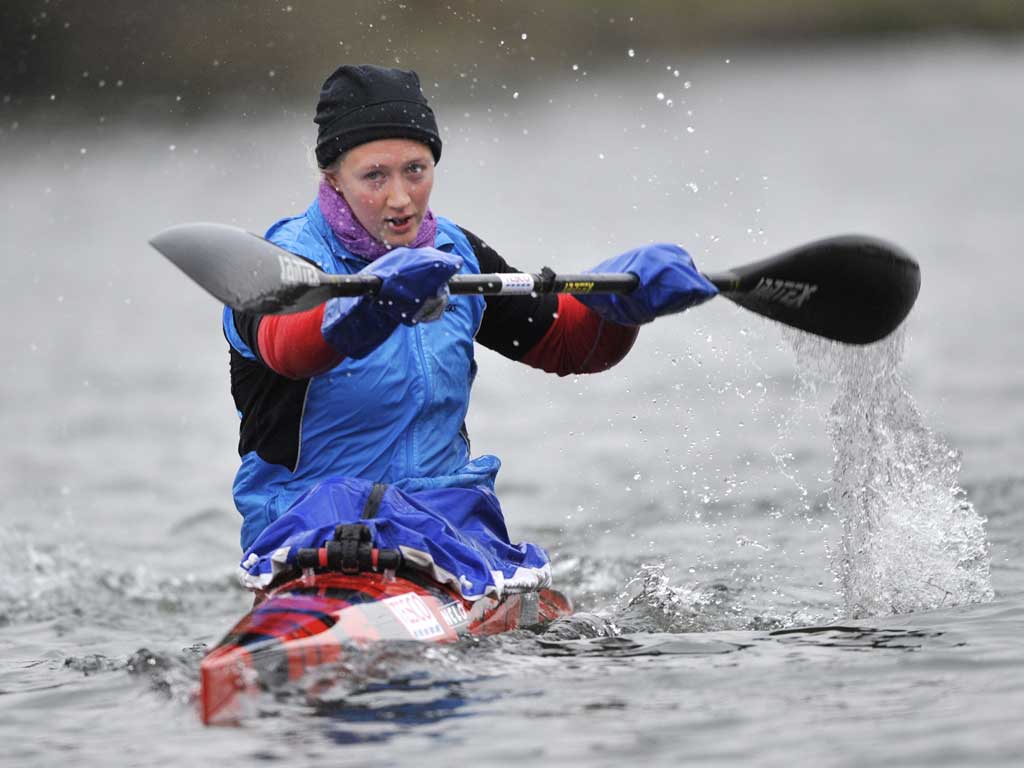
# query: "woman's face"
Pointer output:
{"type": "Point", "coordinates": [387, 185]}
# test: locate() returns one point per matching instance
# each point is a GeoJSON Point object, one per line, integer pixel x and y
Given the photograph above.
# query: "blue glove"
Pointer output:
{"type": "Point", "coordinates": [669, 282]}
{"type": "Point", "coordinates": [414, 289]}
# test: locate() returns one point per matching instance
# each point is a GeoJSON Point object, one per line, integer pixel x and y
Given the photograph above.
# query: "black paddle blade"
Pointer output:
{"type": "Point", "coordinates": [242, 270]}
{"type": "Point", "coordinates": [852, 289]}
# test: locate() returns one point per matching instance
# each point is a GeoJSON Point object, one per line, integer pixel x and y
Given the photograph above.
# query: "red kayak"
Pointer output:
{"type": "Point", "coordinates": [311, 620]}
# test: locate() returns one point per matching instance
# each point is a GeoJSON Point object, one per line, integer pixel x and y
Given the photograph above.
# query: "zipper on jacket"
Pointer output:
{"type": "Point", "coordinates": [428, 393]}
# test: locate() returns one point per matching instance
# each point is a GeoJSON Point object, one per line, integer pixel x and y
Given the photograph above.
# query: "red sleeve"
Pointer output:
{"type": "Point", "coordinates": [293, 346]}
{"type": "Point", "coordinates": [580, 341]}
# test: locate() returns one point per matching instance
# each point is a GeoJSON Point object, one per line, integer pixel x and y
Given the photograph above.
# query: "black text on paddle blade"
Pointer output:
{"type": "Point", "coordinates": [852, 289]}
{"type": "Point", "coordinates": [242, 270]}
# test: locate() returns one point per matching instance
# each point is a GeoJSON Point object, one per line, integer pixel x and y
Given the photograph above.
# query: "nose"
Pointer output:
{"type": "Point", "coordinates": [398, 196]}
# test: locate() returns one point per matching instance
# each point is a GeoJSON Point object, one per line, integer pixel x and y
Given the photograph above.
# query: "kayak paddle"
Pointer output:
{"type": "Point", "coordinates": [851, 289]}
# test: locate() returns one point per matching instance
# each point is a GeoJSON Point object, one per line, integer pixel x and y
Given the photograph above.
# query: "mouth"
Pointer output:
{"type": "Point", "coordinates": [399, 225]}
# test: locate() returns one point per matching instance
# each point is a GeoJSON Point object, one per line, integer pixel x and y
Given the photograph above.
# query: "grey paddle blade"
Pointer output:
{"type": "Point", "coordinates": [242, 270]}
{"type": "Point", "coordinates": [852, 289]}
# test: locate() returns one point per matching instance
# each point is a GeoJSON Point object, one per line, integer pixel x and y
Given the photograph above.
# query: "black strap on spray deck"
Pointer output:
{"type": "Point", "coordinates": [352, 551]}
{"type": "Point", "coordinates": [372, 506]}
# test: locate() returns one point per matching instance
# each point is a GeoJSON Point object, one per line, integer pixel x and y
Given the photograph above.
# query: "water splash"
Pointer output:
{"type": "Point", "coordinates": [651, 603]}
{"type": "Point", "coordinates": [173, 676]}
{"type": "Point", "coordinates": [911, 540]}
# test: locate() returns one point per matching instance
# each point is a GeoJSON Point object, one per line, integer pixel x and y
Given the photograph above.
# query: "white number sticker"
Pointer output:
{"type": "Point", "coordinates": [415, 616]}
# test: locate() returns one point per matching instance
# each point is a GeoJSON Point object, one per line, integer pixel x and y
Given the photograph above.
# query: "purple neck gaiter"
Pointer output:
{"type": "Point", "coordinates": [354, 236]}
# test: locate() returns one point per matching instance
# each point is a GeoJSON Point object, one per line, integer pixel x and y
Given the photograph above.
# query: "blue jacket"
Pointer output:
{"type": "Point", "coordinates": [396, 416]}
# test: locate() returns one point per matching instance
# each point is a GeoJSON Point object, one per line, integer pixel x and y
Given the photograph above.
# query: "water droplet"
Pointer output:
{"type": "Point", "coordinates": [631, 53]}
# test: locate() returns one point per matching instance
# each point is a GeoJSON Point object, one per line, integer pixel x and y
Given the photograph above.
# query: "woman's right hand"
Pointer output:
{"type": "Point", "coordinates": [415, 280]}
{"type": "Point", "coordinates": [414, 289]}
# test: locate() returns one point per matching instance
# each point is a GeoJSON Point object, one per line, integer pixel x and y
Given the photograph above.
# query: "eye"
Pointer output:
{"type": "Point", "coordinates": [374, 175]}
{"type": "Point", "coordinates": [415, 168]}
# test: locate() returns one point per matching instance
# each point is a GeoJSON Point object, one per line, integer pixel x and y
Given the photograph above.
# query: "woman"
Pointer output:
{"type": "Point", "coordinates": [355, 410]}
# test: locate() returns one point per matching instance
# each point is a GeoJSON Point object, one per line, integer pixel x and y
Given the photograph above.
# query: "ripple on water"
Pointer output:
{"type": "Point", "coordinates": [61, 582]}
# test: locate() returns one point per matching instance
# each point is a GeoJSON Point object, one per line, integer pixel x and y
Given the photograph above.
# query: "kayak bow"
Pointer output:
{"type": "Point", "coordinates": [312, 620]}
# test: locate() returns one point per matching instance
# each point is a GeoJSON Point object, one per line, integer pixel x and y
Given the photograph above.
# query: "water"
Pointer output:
{"type": "Point", "coordinates": [911, 539]}
{"type": "Point", "coordinates": [782, 552]}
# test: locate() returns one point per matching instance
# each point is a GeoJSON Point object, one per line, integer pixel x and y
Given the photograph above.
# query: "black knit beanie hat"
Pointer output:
{"type": "Point", "coordinates": [364, 103]}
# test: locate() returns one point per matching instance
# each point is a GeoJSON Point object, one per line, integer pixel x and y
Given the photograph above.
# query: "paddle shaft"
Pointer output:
{"type": "Point", "coordinates": [518, 283]}
{"type": "Point", "coordinates": [730, 284]}
{"type": "Point", "coordinates": [497, 284]}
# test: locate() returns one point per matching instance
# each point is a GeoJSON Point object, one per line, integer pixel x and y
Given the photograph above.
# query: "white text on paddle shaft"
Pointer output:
{"type": "Point", "coordinates": [787, 292]}
{"type": "Point", "coordinates": [295, 271]}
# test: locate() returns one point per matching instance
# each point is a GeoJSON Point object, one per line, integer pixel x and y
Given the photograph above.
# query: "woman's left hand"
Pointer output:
{"type": "Point", "coordinates": [669, 282]}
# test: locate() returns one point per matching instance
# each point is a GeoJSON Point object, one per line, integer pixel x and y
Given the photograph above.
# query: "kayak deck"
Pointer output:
{"type": "Point", "coordinates": [309, 621]}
